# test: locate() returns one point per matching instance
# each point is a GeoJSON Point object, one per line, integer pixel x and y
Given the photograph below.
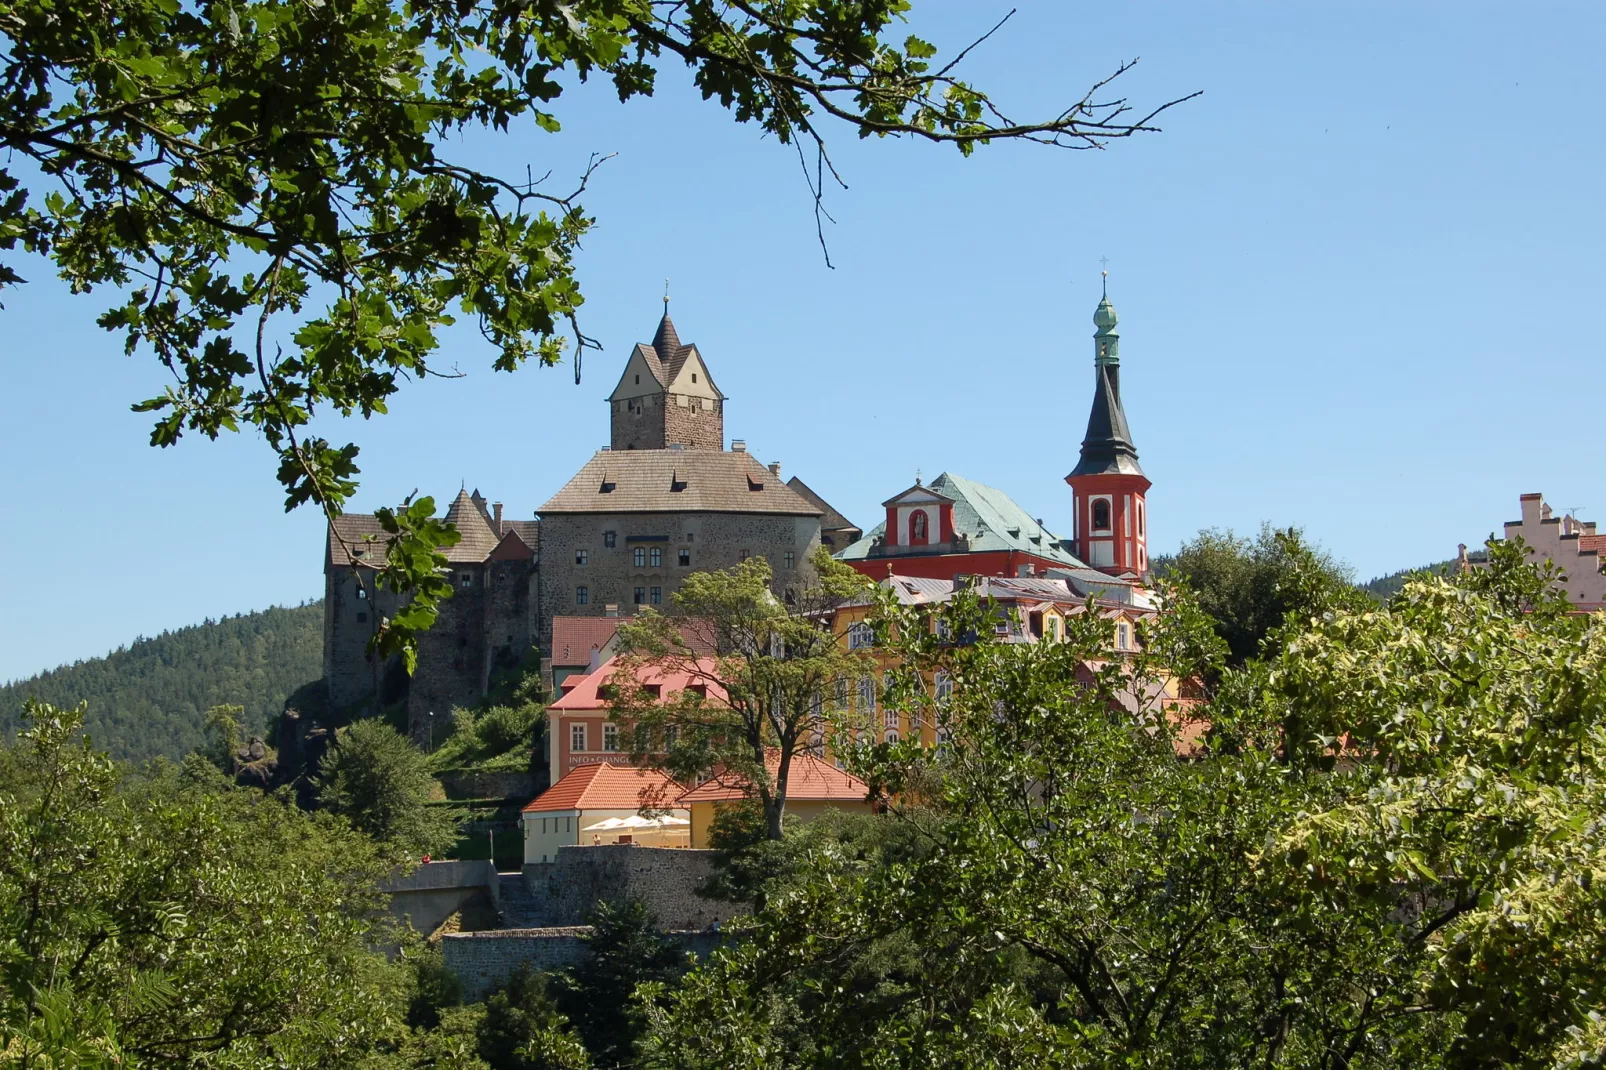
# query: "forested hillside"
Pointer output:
{"type": "Point", "coordinates": [150, 698]}
{"type": "Point", "coordinates": [1385, 587]}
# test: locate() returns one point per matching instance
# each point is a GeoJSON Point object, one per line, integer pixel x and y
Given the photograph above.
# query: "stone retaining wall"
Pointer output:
{"type": "Point", "coordinates": [484, 961]}
{"type": "Point", "coordinates": [434, 891]}
{"type": "Point", "coordinates": [663, 878]}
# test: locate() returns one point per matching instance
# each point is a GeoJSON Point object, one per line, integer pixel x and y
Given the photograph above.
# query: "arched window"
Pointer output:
{"type": "Point", "coordinates": [1101, 514]}
{"type": "Point", "coordinates": [917, 527]}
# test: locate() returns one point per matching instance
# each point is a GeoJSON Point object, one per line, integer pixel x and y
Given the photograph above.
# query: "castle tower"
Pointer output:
{"type": "Point", "coordinates": [666, 397]}
{"type": "Point", "coordinates": [1108, 483]}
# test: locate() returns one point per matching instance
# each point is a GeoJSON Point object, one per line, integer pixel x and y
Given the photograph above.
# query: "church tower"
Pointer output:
{"type": "Point", "coordinates": [1108, 484]}
{"type": "Point", "coordinates": [666, 397]}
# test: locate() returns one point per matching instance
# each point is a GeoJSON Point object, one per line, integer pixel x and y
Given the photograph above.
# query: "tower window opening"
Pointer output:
{"type": "Point", "coordinates": [1101, 514]}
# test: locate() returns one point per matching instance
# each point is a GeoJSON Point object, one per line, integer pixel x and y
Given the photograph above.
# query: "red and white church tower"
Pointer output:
{"type": "Point", "coordinates": [1108, 483]}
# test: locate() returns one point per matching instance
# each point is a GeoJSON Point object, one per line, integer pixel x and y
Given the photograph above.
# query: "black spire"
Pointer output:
{"type": "Point", "coordinates": [1107, 449]}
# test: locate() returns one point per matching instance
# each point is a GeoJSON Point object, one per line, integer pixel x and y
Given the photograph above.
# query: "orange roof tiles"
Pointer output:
{"type": "Point", "coordinates": [808, 780]}
{"type": "Point", "coordinates": [574, 638]}
{"type": "Point", "coordinates": [585, 694]}
{"type": "Point", "coordinates": [605, 786]}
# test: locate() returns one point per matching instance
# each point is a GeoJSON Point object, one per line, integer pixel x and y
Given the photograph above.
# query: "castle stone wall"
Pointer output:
{"type": "Point", "coordinates": [712, 541]}
{"type": "Point", "coordinates": [484, 961]}
{"type": "Point", "coordinates": [434, 891]}
{"type": "Point", "coordinates": [664, 879]}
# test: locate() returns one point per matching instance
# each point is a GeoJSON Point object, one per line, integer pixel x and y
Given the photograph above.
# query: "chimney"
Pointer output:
{"type": "Point", "coordinates": [611, 609]}
{"type": "Point", "coordinates": [738, 445]}
{"type": "Point", "coordinates": [775, 469]}
{"type": "Point", "coordinates": [496, 517]}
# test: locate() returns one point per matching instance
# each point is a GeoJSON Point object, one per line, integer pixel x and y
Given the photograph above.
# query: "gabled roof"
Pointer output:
{"type": "Point", "coordinates": [575, 638]}
{"type": "Point", "coordinates": [831, 519]}
{"type": "Point", "coordinates": [665, 357]}
{"type": "Point", "coordinates": [605, 786]}
{"type": "Point", "coordinates": [917, 493]}
{"type": "Point", "coordinates": [989, 518]}
{"type": "Point", "coordinates": [808, 780]}
{"type": "Point", "coordinates": [710, 481]}
{"type": "Point", "coordinates": [354, 528]}
{"type": "Point", "coordinates": [586, 694]}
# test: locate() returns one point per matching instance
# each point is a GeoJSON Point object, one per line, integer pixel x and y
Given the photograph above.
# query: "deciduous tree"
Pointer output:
{"type": "Point", "coordinates": [765, 665]}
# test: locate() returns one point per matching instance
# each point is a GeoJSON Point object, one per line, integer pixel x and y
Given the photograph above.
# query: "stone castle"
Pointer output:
{"type": "Point", "coordinates": [666, 498]}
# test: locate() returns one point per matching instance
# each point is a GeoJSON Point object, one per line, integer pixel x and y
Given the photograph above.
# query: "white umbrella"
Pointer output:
{"type": "Point", "coordinates": [670, 819]}
{"type": "Point", "coordinates": [607, 825]}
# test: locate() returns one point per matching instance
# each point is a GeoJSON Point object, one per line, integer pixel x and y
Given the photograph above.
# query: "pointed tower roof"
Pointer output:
{"type": "Point", "coordinates": [666, 341]}
{"type": "Point", "coordinates": [1107, 448]}
{"type": "Point", "coordinates": [478, 539]}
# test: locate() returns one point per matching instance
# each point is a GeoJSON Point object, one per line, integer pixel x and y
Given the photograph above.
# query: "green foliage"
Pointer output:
{"type": "Point", "coordinates": [160, 922]}
{"type": "Point", "coordinates": [522, 1028]}
{"type": "Point", "coordinates": [381, 783]}
{"type": "Point", "coordinates": [599, 995]}
{"type": "Point", "coordinates": [230, 170]}
{"type": "Point", "coordinates": [1382, 588]}
{"type": "Point", "coordinates": [1251, 588]}
{"type": "Point", "coordinates": [1389, 855]}
{"type": "Point", "coordinates": [151, 698]}
{"type": "Point", "coordinates": [764, 685]}
{"type": "Point", "coordinates": [499, 737]}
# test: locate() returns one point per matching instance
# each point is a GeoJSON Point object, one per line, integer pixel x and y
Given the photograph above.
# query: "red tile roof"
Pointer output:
{"type": "Point", "coordinates": [606, 786]}
{"type": "Point", "coordinates": [574, 638]}
{"type": "Point", "coordinates": [808, 780]}
{"type": "Point", "coordinates": [584, 695]}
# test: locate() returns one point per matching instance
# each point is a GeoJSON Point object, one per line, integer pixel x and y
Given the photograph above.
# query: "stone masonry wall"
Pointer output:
{"type": "Point", "coordinates": [712, 541]}
{"type": "Point", "coordinates": [656, 421]}
{"type": "Point", "coordinates": [483, 961]}
{"type": "Point", "coordinates": [665, 879]}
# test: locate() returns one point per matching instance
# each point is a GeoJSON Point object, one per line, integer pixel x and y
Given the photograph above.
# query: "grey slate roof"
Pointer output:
{"type": "Point", "coordinates": [990, 518]}
{"type": "Point", "coordinates": [479, 539]}
{"type": "Point", "coordinates": [830, 519]}
{"type": "Point", "coordinates": [353, 528]}
{"type": "Point", "coordinates": [1107, 448]}
{"type": "Point", "coordinates": [709, 481]}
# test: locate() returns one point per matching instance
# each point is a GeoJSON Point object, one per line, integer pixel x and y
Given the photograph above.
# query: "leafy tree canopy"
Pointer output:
{"type": "Point", "coordinates": [764, 663]}
{"type": "Point", "coordinates": [169, 921]}
{"type": "Point", "coordinates": [377, 779]}
{"type": "Point", "coordinates": [220, 167]}
{"type": "Point", "coordinates": [1385, 852]}
{"type": "Point", "coordinates": [1252, 587]}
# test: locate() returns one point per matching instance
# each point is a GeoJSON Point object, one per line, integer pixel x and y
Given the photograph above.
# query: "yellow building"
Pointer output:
{"type": "Point", "coordinates": [813, 788]}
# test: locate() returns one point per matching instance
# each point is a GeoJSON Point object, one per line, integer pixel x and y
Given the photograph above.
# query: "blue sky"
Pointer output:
{"type": "Point", "coordinates": [1359, 282]}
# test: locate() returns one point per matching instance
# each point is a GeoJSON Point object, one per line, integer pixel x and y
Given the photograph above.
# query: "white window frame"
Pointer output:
{"type": "Point", "coordinates": [942, 686]}
{"type": "Point", "coordinates": [610, 738]}
{"type": "Point", "coordinates": [577, 734]}
{"type": "Point", "coordinates": [867, 694]}
{"type": "Point", "coordinates": [860, 635]}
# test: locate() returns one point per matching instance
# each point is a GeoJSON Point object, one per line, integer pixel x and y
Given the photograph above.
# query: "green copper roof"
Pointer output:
{"type": "Point", "coordinates": [1104, 317]}
{"type": "Point", "coordinates": [989, 517]}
